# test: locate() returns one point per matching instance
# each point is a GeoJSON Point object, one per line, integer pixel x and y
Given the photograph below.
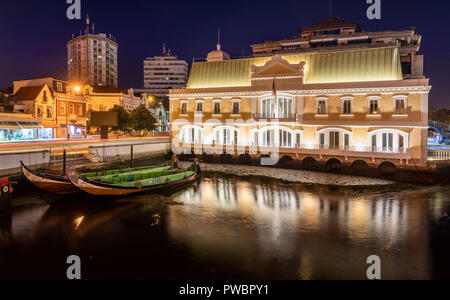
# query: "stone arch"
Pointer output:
{"type": "Point", "coordinates": [309, 163]}
{"type": "Point", "coordinates": [245, 159]}
{"type": "Point", "coordinates": [226, 159]}
{"type": "Point", "coordinates": [333, 164]}
{"type": "Point", "coordinates": [359, 167]}
{"type": "Point", "coordinates": [286, 161]}
{"type": "Point", "coordinates": [387, 168]}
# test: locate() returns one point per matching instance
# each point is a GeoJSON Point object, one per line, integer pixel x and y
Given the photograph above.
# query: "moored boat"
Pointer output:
{"type": "Point", "coordinates": [53, 183]}
{"type": "Point", "coordinates": [136, 183]}
{"type": "Point", "coordinates": [60, 184]}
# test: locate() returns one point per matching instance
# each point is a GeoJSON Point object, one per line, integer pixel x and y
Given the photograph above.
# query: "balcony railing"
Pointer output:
{"type": "Point", "coordinates": [280, 116]}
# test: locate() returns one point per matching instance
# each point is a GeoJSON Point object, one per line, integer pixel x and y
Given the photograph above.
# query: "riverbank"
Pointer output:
{"type": "Point", "coordinates": [296, 176]}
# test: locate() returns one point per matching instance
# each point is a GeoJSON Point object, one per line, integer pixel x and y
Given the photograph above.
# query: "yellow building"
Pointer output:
{"type": "Point", "coordinates": [350, 103]}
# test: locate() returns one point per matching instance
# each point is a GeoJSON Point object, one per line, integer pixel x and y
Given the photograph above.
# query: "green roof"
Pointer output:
{"type": "Point", "coordinates": [374, 64]}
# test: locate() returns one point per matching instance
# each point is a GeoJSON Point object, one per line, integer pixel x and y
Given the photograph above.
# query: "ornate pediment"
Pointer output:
{"type": "Point", "coordinates": [278, 67]}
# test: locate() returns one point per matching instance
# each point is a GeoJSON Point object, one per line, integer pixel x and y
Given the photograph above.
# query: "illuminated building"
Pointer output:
{"type": "Point", "coordinates": [352, 96]}
{"type": "Point", "coordinates": [163, 73]}
{"type": "Point", "coordinates": [55, 104]}
{"type": "Point", "coordinates": [92, 58]}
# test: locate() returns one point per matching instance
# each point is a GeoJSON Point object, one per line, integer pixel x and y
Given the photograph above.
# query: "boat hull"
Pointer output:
{"type": "Point", "coordinates": [52, 184]}
{"type": "Point", "coordinates": [109, 191]}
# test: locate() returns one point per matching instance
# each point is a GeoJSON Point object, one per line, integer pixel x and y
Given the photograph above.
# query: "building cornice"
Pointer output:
{"type": "Point", "coordinates": [312, 92]}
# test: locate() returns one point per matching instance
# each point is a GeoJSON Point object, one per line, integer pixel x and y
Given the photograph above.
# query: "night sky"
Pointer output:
{"type": "Point", "coordinates": [33, 34]}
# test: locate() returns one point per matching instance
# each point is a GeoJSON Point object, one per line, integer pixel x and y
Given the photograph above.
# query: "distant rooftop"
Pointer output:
{"type": "Point", "coordinates": [330, 24]}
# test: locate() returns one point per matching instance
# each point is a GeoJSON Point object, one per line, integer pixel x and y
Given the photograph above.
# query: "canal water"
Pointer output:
{"type": "Point", "coordinates": [231, 228]}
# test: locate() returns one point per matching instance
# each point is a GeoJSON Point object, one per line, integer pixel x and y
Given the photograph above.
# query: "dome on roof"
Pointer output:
{"type": "Point", "coordinates": [217, 55]}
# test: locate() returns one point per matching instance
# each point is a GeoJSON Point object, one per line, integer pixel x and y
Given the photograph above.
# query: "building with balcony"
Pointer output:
{"type": "Point", "coordinates": [354, 104]}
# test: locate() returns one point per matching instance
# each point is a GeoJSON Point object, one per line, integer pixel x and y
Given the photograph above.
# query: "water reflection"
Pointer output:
{"type": "Point", "coordinates": [326, 234]}
{"type": "Point", "coordinates": [222, 228]}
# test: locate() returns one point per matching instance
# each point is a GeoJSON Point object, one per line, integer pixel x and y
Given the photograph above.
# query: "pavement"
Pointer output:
{"type": "Point", "coordinates": [79, 146]}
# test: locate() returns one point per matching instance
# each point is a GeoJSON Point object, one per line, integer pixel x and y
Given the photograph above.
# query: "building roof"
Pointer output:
{"type": "Point", "coordinates": [29, 93]}
{"type": "Point", "coordinates": [329, 24]}
{"type": "Point", "coordinates": [373, 64]}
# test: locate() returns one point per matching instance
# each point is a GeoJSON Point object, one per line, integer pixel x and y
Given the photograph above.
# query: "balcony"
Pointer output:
{"type": "Point", "coordinates": [281, 117]}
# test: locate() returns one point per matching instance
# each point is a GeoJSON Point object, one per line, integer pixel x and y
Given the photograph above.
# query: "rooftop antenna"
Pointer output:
{"type": "Point", "coordinates": [218, 40]}
{"type": "Point", "coordinates": [331, 8]}
{"type": "Point", "coordinates": [88, 22]}
{"type": "Point", "coordinates": [93, 28]}
{"type": "Point", "coordinates": [164, 51]}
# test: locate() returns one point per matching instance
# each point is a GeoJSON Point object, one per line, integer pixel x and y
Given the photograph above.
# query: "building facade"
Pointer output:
{"type": "Point", "coordinates": [352, 103]}
{"type": "Point", "coordinates": [57, 105]}
{"type": "Point", "coordinates": [92, 59]}
{"type": "Point", "coordinates": [163, 73]}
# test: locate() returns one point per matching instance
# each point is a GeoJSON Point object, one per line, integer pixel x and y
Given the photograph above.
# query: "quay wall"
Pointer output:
{"type": "Point", "coordinates": [124, 152]}
{"type": "Point", "coordinates": [10, 162]}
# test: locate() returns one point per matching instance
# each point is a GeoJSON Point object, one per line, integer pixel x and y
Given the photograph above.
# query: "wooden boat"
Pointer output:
{"type": "Point", "coordinates": [53, 183]}
{"type": "Point", "coordinates": [136, 183]}
{"type": "Point", "coordinates": [60, 184]}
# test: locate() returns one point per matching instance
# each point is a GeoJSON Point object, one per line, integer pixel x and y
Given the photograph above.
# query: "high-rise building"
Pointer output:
{"type": "Point", "coordinates": [163, 73]}
{"type": "Point", "coordinates": [92, 58]}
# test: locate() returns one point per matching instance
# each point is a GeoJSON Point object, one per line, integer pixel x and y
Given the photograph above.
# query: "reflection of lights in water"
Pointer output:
{"type": "Point", "coordinates": [78, 222]}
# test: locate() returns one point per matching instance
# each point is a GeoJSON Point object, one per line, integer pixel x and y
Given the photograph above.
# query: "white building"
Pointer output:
{"type": "Point", "coordinates": [163, 73]}
{"type": "Point", "coordinates": [131, 101]}
{"type": "Point", "coordinates": [92, 58]}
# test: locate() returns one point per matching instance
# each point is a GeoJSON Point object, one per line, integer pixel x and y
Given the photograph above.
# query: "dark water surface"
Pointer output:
{"type": "Point", "coordinates": [232, 228]}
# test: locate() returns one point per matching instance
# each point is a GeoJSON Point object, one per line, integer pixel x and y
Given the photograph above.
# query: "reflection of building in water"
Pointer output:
{"type": "Point", "coordinates": [302, 227]}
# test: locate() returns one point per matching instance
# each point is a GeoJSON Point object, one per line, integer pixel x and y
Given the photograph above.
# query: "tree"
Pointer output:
{"type": "Point", "coordinates": [143, 119]}
{"type": "Point", "coordinates": [441, 116]}
{"type": "Point", "coordinates": [123, 119]}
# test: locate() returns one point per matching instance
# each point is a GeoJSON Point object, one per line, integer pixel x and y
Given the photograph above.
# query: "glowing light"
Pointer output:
{"type": "Point", "coordinates": [78, 222]}
{"type": "Point", "coordinates": [77, 89]}
{"type": "Point", "coordinates": [151, 98]}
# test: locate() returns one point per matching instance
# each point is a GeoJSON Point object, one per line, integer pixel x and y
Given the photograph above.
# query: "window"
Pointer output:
{"type": "Point", "coordinates": [226, 136]}
{"type": "Point", "coordinates": [217, 108]}
{"type": "Point", "coordinates": [183, 108]}
{"type": "Point", "coordinates": [400, 106]}
{"type": "Point", "coordinates": [374, 106]}
{"type": "Point", "coordinates": [285, 108]}
{"type": "Point", "coordinates": [285, 139]}
{"type": "Point", "coordinates": [199, 108]}
{"type": "Point", "coordinates": [236, 108]}
{"type": "Point", "coordinates": [388, 140]}
{"type": "Point", "coordinates": [45, 96]}
{"type": "Point", "coordinates": [322, 107]}
{"type": "Point", "coordinates": [49, 113]}
{"type": "Point", "coordinates": [338, 139]}
{"type": "Point", "coordinates": [63, 109]}
{"type": "Point", "coordinates": [59, 87]}
{"type": "Point", "coordinates": [267, 107]}
{"type": "Point", "coordinates": [72, 109]}
{"type": "Point", "coordinates": [334, 140]}
{"type": "Point", "coordinates": [80, 109]}
{"type": "Point", "coordinates": [347, 107]}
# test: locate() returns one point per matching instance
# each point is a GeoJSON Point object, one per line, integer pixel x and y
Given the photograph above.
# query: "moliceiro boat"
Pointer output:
{"type": "Point", "coordinates": [61, 185]}
{"type": "Point", "coordinates": [135, 183]}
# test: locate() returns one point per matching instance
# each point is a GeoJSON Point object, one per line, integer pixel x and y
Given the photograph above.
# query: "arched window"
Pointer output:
{"type": "Point", "coordinates": [334, 138]}
{"type": "Point", "coordinates": [190, 135]}
{"type": "Point", "coordinates": [388, 140]}
{"type": "Point", "coordinates": [278, 136]}
{"type": "Point", "coordinates": [226, 135]}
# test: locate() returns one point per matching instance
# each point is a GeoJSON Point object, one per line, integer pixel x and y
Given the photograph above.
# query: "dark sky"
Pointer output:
{"type": "Point", "coordinates": [33, 33]}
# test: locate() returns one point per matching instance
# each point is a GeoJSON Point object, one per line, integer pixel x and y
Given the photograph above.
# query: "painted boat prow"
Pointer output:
{"type": "Point", "coordinates": [52, 184]}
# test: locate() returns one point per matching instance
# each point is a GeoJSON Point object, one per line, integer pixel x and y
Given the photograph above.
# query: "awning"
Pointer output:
{"type": "Point", "coordinates": [17, 125]}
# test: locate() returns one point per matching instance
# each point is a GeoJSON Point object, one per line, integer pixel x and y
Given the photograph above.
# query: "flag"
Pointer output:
{"type": "Point", "coordinates": [274, 89]}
